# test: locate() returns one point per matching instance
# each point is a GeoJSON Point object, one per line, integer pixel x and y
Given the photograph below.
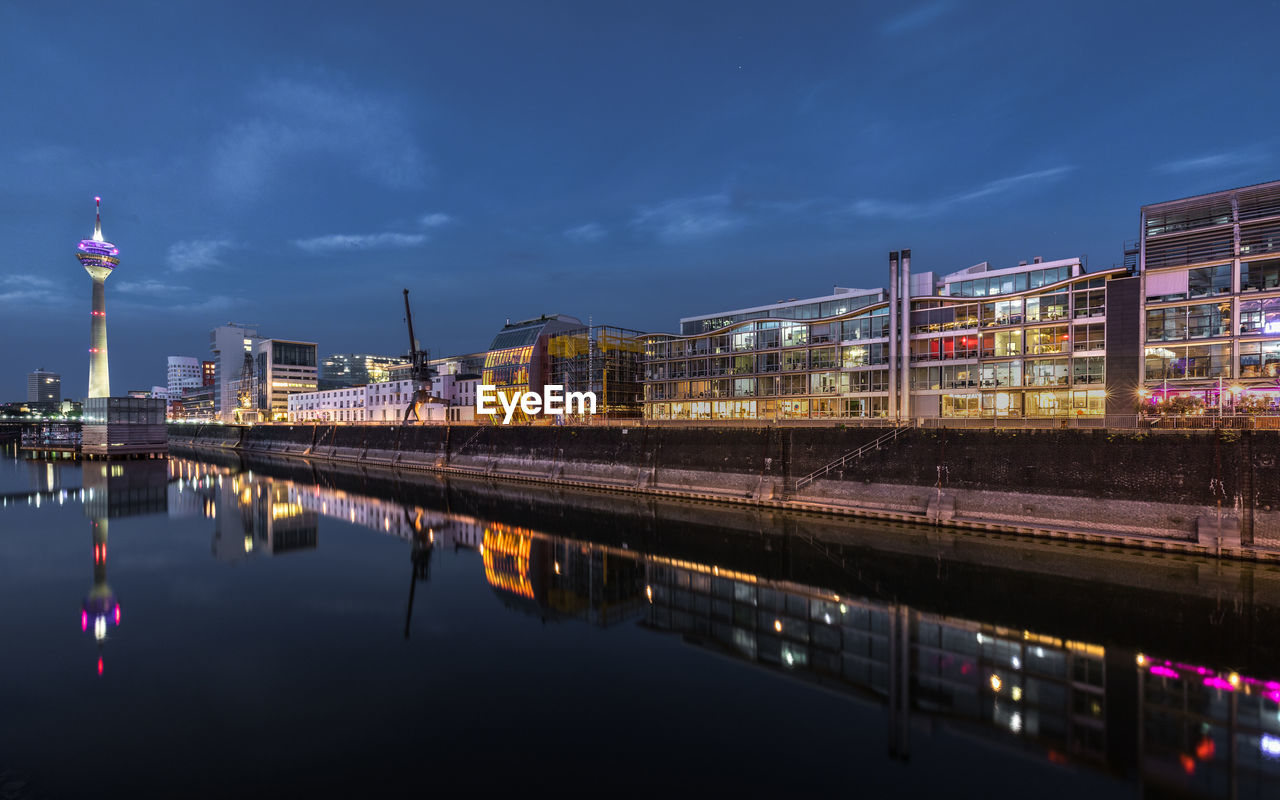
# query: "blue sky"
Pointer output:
{"type": "Point", "coordinates": [297, 164]}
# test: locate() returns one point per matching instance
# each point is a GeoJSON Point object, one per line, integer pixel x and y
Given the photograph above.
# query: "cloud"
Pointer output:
{"type": "Point", "coordinates": [585, 234]}
{"type": "Point", "coordinates": [296, 120]}
{"type": "Point", "coordinates": [1231, 158]}
{"type": "Point", "coordinates": [919, 17]}
{"type": "Point", "coordinates": [435, 220]}
{"type": "Point", "coordinates": [344, 242]}
{"type": "Point", "coordinates": [196, 254]}
{"type": "Point", "coordinates": [892, 209]}
{"type": "Point", "coordinates": [29, 290]}
{"type": "Point", "coordinates": [689, 218]}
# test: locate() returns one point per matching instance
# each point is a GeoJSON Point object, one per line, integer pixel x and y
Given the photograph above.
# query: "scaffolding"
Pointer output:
{"type": "Point", "coordinates": [601, 359]}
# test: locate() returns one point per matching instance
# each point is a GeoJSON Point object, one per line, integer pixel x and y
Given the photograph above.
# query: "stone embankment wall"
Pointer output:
{"type": "Point", "coordinates": [1171, 487]}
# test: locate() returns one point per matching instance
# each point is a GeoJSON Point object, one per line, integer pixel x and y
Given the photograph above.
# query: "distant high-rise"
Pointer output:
{"type": "Point", "coordinates": [99, 258]}
{"type": "Point", "coordinates": [44, 387]}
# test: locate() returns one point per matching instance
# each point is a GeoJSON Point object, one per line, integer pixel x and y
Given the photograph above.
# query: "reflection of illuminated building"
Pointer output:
{"type": "Point", "coordinates": [1040, 688]}
{"type": "Point", "coordinates": [260, 517]}
{"type": "Point", "coordinates": [560, 577]}
{"type": "Point", "coordinates": [1211, 733]}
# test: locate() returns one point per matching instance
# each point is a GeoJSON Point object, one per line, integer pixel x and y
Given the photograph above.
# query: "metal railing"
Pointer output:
{"type": "Point", "coordinates": [854, 455]}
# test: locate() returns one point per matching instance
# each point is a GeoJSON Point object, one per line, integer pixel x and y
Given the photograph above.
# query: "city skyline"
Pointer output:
{"type": "Point", "coordinates": [645, 166]}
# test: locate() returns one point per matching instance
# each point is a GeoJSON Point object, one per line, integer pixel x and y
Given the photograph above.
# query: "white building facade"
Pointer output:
{"type": "Point", "coordinates": [183, 372]}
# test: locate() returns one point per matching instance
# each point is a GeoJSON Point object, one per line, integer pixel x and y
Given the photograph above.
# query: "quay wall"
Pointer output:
{"type": "Point", "coordinates": [1167, 485]}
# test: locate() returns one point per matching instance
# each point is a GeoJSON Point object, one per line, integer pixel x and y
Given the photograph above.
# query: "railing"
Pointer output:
{"type": "Point", "coordinates": [840, 462]}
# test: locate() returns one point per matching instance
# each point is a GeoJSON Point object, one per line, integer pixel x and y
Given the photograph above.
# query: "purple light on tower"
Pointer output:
{"type": "Point", "coordinates": [99, 258]}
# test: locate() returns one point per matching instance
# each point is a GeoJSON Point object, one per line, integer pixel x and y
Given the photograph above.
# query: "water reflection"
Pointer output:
{"type": "Point", "coordinates": [1161, 719]}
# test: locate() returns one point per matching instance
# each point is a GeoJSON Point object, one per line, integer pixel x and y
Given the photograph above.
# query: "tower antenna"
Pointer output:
{"type": "Point", "coordinates": [97, 219]}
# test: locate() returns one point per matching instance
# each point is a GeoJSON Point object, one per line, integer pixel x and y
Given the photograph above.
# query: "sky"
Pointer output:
{"type": "Point", "coordinates": [296, 165]}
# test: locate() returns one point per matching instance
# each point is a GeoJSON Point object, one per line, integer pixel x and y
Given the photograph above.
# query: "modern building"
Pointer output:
{"type": "Point", "coordinates": [1210, 274]}
{"type": "Point", "coordinates": [353, 369]}
{"type": "Point", "coordinates": [518, 362]}
{"type": "Point", "coordinates": [194, 404]}
{"type": "Point", "coordinates": [99, 258]}
{"type": "Point", "coordinates": [228, 345]}
{"type": "Point", "coordinates": [601, 359]}
{"type": "Point", "coordinates": [283, 367]}
{"type": "Point", "coordinates": [465, 364]}
{"type": "Point", "coordinates": [44, 387]}
{"type": "Point", "coordinates": [1028, 340]}
{"type": "Point", "coordinates": [184, 372]}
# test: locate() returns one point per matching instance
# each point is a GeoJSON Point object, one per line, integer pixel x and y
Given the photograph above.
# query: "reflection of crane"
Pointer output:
{"type": "Point", "coordinates": [421, 369]}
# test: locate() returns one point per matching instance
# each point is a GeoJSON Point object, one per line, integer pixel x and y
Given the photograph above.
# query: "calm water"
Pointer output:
{"type": "Point", "coordinates": [228, 628]}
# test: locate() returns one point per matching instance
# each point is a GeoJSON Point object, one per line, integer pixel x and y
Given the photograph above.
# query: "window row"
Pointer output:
{"type": "Point", "coordinates": [1008, 284]}
{"type": "Point", "coordinates": [1202, 321]}
{"type": "Point", "coordinates": [817, 310]}
{"type": "Point", "coordinates": [1030, 372]}
{"type": "Point", "coordinates": [821, 408]}
{"type": "Point", "coordinates": [769, 386]}
{"type": "Point", "coordinates": [1043, 403]}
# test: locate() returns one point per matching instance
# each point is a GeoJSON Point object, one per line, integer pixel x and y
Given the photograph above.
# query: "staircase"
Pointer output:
{"type": "Point", "coordinates": [850, 457]}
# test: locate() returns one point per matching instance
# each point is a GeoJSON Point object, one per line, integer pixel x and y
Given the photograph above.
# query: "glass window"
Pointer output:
{"type": "Point", "coordinates": [1047, 340]}
{"type": "Point", "coordinates": [1090, 337]}
{"type": "Point", "coordinates": [1209, 320]}
{"type": "Point", "coordinates": [1257, 276]}
{"type": "Point", "coordinates": [1046, 372]}
{"type": "Point", "coordinates": [1008, 343]}
{"type": "Point", "coordinates": [794, 360]}
{"type": "Point", "coordinates": [1259, 359]}
{"type": "Point", "coordinates": [823, 382]}
{"type": "Point", "coordinates": [1167, 324]}
{"type": "Point", "coordinates": [1209, 281]}
{"type": "Point", "coordinates": [1001, 373]}
{"type": "Point", "coordinates": [794, 335]}
{"type": "Point", "coordinates": [1088, 370]}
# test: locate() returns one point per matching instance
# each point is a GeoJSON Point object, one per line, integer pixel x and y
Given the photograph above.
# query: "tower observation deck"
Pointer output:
{"type": "Point", "coordinates": [99, 258]}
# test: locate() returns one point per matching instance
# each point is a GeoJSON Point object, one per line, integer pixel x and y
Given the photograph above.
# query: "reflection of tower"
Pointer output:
{"type": "Point", "coordinates": [100, 608]}
{"type": "Point", "coordinates": [99, 258]}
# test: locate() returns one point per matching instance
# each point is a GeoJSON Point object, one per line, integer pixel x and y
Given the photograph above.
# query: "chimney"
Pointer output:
{"type": "Point", "coordinates": [1038, 260]}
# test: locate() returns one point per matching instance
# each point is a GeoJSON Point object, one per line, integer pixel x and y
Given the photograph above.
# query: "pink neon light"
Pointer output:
{"type": "Point", "coordinates": [117, 615]}
{"type": "Point", "coordinates": [1218, 683]}
{"type": "Point", "coordinates": [1164, 672]}
{"type": "Point", "coordinates": [84, 620]}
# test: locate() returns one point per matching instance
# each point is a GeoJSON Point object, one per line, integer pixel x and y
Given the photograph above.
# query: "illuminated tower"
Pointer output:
{"type": "Point", "coordinates": [99, 258]}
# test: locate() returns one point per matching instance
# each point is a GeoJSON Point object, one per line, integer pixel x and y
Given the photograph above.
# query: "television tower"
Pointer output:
{"type": "Point", "coordinates": [99, 258]}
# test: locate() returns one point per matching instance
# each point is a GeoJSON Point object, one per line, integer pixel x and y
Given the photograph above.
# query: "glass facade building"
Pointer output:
{"type": "Point", "coordinates": [1024, 341]}
{"type": "Point", "coordinates": [517, 360]}
{"type": "Point", "coordinates": [354, 369]}
{"type": "Point", "coordinates": [1210, 268]}
{"type": "Point", "coordinates": [601, 359]}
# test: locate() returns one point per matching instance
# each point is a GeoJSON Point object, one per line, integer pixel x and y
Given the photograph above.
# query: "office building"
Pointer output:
{"type": "Point", "coordinates": [1028, 340]}
{"type": "Point", "coordinates": [354, 369]}
{"type": "Point", "coordinates": [1210, 272]}
{"type": "Point", "coordinates": [283, 367]}
{"type": "Point", "coordinates": [44, 387]}
{"type": "Point", "coordinates": [385, 402]}
{"type": "Point", "coordinates": [228, 345]}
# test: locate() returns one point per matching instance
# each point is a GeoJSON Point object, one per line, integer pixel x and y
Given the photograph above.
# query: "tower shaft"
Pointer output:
{"type": "Point", "coordinates": [99, 372]}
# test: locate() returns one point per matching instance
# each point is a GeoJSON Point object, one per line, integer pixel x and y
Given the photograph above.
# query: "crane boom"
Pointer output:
{"type": "Point", "coordinates": [408, 316]}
